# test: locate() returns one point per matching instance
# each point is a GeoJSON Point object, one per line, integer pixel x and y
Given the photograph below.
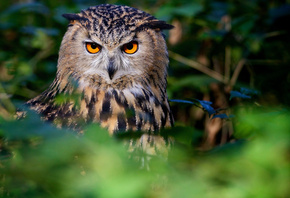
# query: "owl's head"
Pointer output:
{"type": "Point", "coordinates": [112, 45]}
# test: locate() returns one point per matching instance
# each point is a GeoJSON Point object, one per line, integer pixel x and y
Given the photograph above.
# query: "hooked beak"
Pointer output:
{"type": "Point", "coordinates": [111, 69]}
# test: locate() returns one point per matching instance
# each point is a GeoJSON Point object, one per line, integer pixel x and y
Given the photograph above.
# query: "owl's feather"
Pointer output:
{"type": "Point", "coordinates": [121, 92]}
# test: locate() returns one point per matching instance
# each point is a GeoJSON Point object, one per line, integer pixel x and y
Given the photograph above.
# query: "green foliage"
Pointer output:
{"type": "Point", "coordinates": [240, 43]}
{"type": "Point", "coordinates": [45, 161]}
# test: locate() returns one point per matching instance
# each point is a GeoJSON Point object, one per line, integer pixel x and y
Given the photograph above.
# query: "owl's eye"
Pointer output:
{"type": "Point", "coordinates": [130, 48]}
{"type": "Point", "coordinates": [93, 47]}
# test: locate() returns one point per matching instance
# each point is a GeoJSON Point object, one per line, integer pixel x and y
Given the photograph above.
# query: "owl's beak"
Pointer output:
{"type": "Point", "coordinates": [111, 69]}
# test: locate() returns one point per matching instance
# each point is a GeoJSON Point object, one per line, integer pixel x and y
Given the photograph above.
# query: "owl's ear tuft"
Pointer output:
{"type": "Point", "coordinates": [156, 25]}
{"type": "Point", "coordinates": [162, 25]}
{"type": "Point", "coordinates": [72, 17]}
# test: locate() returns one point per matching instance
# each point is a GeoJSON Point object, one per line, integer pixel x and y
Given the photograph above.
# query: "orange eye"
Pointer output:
{"type": "Point", "coordinates": [93, 48]}
{"type": "Point", "coordinates": [130, 48]}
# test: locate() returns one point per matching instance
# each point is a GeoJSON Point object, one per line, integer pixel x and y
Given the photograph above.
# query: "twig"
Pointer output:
{"type": "Point", "coordinates": [274, 33]}
{"type": "Point", "coordinates": [237, 71]}
{"type": "Point", "coordinates": [198, 66]}
{"type": "Point", "coordinates": [227, 27]}
{"type": "Point", "coordinates": [227, 62]}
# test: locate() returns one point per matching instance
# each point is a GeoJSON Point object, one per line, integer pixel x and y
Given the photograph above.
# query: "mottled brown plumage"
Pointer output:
{"type": "Point", "coordinates": [121, 91]}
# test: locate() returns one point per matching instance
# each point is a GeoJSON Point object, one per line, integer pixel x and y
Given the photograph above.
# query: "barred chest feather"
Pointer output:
{"type": "Point", "coordinates": [129, 109]}
{"type": "Point", "coordinates": [117, 110]}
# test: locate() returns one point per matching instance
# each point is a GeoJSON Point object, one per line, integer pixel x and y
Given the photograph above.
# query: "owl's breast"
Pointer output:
{"type": "Point", "coordinates": [120, 108]}
{"type": "Point", "coordinates": [127, 109]}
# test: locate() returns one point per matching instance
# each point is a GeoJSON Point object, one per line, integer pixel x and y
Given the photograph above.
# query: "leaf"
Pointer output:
{"type": "Point", "coordinates": [41, 33]}
{"type": "Point", "coordinates": [164, 12]}
{"type": "Point", "coordinates": [249, 91]}
{"type": "Point", "coordinates": [217, 10]}
{"type": "Point", "coordinates": [237, 94]}
{"type": "Point", "coordinates": [24, 69]}
{"type": "Point", "coordinates": [217, 35]}
{"type": "Point", "coordinates": [243, 25]}
{"type": "Point", "coordinates": [38, 8]}
{"type": "Point", "coordinates": [181, 101]}
{"type": "Point", "coordinates": [244, 93]}
{"type": "Point", "coordinates": [196, 82]}
{"type": "Point", "coordinates": [30, 126]}
{"type": "Point", "coordinates": [206, 106]}
{"type": "Point", "coordinates": [188, 10]}
{"type": "Point", "coordinates": [223, 116]}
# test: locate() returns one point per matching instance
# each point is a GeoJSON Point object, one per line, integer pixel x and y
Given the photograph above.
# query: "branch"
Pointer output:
{"type": "Point", "coordinates": [237, 71]}
{"type": "Point", "coordinates": [198, 66]}
{"type": "Point", "coordinates": [227, 62]}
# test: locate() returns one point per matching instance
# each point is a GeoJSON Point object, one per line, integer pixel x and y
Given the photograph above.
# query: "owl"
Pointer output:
{"type": "Point", "coordinates": [112, 70]}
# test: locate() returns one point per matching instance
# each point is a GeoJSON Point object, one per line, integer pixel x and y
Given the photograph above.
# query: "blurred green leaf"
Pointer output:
{"type": "Point", "coordinates": [27, 7]}
{"type": "Point", "coordinates": [237, 94]}
{"type": "Point", "coordinates": [188, 10]}
{"type": "Point", "coordinates": [194, 81]}
{"type": "Point", "coordinates": [24, 69]}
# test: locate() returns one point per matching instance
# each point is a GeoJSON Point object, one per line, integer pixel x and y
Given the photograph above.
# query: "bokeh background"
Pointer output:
{"type": "Point", "coordinates": [235, 54]}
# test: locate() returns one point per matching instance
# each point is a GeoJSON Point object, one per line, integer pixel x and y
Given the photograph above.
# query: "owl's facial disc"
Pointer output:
{"type": "Point", "coordinates": [112, 61]}
{"type": "Point", "coordinates": [118, 60]}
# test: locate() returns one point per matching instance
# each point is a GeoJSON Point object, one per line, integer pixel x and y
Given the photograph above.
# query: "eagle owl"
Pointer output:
{"type": "Point", "coordinates": [112, 70]}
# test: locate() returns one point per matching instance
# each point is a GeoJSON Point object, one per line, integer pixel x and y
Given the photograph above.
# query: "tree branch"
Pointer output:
{"type": "Point", "coordinates": [237, 71]}
{"type": "Point", "coordinates": [198, 66]}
